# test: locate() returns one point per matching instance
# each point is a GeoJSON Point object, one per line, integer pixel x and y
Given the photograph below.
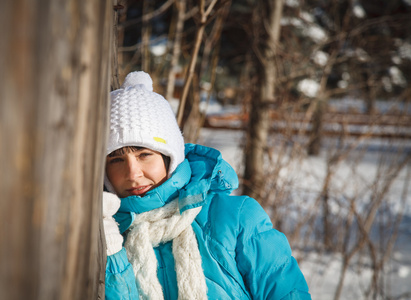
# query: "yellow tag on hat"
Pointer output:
{"type": "Point", "coordinates": [157, 139]}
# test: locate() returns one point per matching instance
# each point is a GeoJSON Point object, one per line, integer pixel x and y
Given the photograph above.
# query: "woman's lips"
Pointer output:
{"type": "Point", "coordinates": [139, 190]}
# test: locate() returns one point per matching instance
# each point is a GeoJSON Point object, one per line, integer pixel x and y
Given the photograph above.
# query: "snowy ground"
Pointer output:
{"type": "Point", "coordinates": [322, 270]}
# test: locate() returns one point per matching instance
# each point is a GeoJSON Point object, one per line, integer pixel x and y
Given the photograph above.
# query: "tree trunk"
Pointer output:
{"type": "Point", "coordinates": [180, 12]}
{"type": "Point", "coordinates": [193, 118]}
{"type": "Point", "coordinates": [192, 115]}
{"type": "Point", "coordinates": [55, 65]}
{"type": "Point", "coordinates": [269, 14]}
{"type": "Point", "coordinates": [145, 38]}
{"type": "Point", "coordinates": [117, 39]}
{"type": "Point", "coordinates": [203, 17]}
{"type": "Point", "coordinates": [370, 93]}
{"type": "Point", "coordinates": [316, 133]}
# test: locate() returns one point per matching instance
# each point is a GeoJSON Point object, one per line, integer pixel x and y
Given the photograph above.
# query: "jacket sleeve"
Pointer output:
{"type": "Point", "coordinates": [120, 280]}
{"type": "Point", "coordinates": [264, 257]}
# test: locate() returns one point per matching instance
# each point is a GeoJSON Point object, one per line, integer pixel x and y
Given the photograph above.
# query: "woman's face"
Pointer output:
{"type": "Point", "coordinates": [135, 172]}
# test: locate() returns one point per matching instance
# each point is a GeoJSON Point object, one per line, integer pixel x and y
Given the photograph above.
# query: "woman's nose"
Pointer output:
{"type": "Point", "coordinates": [134, 169]}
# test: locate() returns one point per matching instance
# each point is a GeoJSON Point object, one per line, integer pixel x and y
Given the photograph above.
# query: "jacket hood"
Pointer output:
{"type": "Point", "coordinates": [208, 165]}
{"type": "Point", "coordinates": [202, 172]}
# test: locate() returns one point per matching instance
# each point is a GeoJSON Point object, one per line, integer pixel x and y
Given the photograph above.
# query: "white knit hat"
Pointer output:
{"type": "Point", "coordinates": [139, 117]}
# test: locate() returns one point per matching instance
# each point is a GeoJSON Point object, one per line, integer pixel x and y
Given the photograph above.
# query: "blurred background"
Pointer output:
{"type": "Point", "coordinates": [309, 100]}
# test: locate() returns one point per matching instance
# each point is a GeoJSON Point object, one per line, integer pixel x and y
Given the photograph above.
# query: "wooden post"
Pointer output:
{"type": "Point", "coordinates": [54, 87]}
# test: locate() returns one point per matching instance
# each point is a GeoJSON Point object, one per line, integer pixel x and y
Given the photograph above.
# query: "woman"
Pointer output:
{"type": "Point", "coordinates": [185, 237]}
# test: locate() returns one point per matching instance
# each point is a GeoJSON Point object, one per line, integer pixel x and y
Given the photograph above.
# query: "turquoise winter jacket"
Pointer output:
{"type": "Point", "coordinates": [243, 257]}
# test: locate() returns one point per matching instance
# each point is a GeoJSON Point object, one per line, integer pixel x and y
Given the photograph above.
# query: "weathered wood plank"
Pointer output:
{"type": "Point", "coordinates": [55, 72]}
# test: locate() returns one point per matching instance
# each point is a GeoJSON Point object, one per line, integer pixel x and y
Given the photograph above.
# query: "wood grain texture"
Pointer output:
{"type": "Point", "coordinates": [55, 78]}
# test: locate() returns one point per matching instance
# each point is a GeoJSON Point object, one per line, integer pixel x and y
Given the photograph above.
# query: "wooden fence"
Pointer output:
{"type": "Point", "coordinates": [334, 124]}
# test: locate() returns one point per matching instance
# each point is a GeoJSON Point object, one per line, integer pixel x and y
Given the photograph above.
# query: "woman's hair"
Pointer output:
{"type": "Point", "coordinates": [124, 150]}
{"type": "Point", "coordinates": [129, 149]}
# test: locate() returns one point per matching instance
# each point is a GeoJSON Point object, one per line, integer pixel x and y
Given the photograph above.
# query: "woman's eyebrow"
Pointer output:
{"type": "Point", "coordinates": [115, 154]}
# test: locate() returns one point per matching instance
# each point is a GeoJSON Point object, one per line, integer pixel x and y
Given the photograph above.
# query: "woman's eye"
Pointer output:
{"type": "Point", "coordinates": [144, 154]}
{"type": "Point", "coordinates": [116, 160]}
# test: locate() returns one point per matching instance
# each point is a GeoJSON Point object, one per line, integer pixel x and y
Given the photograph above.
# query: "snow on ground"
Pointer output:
{"type": "Point", "coordinates": [355, 175]}
{"type": "Point", "coordinates": [322, 270]}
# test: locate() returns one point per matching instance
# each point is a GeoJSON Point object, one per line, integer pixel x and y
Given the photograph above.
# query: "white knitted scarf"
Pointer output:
{"type": "Point", "coordinates": [161, 225]}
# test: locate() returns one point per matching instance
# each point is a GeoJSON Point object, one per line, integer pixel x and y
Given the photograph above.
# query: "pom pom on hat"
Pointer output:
{"type": "Point", "coordinates": [140, 117]}
{"type": "Point", "coordinates": [139, 77]}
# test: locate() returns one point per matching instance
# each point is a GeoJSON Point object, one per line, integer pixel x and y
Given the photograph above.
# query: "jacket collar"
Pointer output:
{"type": "Point", "coordinates": [161, 195]}
{"type": "Point", "coordinates": [201, 173]}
